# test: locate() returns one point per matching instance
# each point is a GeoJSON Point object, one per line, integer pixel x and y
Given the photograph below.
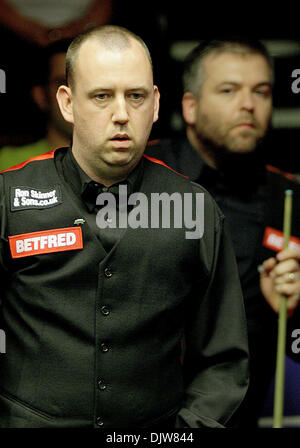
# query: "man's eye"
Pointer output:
{"type": "Point", "coordinates": [102, 96]}
{"type": "Point", "coordinates": [136, 96]}
{"type": "Point", "coordinates": [262, 92]}
{"type": "Point", "coordinates": [227, 90]}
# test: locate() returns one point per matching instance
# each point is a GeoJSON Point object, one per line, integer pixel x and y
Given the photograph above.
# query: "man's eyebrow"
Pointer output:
{"type": "Point", "coordinates": [110, 89]}
{"type": "Point", "coordinates": [98, 89]}
{"type": "Point", "coordinates": [144, 88]}
{"type": "Point", "coordinates": [236, 83]}
{"type": "Point", "coordinates": [264, 83]}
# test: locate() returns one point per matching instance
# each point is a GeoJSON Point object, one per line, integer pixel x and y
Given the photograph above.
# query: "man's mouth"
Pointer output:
{"type": "Point", "coordinates": [120, 137]}
{"type": "Point", "coordinates": [121, 141]}
{"type": "Point", "coordinates": [247, 124]}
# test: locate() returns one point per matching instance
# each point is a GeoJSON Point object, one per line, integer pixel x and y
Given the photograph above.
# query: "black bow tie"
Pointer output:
{"type": "Point", "coordinates": [92, 191]}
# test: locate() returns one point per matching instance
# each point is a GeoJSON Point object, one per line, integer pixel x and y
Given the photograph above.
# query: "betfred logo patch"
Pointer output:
{"type": "Point", "coordinates": [23, 198]}
{"type": "Point", "coordinates": [45, 242]}
{"type": "Point", "coordinates": [273, 239]}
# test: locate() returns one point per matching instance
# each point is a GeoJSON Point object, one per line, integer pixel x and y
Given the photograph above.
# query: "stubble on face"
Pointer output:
{"type": "Point", "coordinates": [221, 137]}
{"type": "Point", "coordinates": [225, 122]}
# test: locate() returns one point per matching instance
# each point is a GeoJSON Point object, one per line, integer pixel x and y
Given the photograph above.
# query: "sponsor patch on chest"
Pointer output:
{"type": "Point", "coordinates": [23, 198]}
{"type": "Point", "coordinates": [45, 241]}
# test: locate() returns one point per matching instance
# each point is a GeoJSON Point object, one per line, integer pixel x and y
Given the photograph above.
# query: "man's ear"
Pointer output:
{"type": "Point", "coordinates": [39, 96]}
{"type": "Point", "coordinates": [156, 104]}
{"type": "Point", "coordinates": [64, 99]}
{"type": "Point", "coordinates": [189, 103]}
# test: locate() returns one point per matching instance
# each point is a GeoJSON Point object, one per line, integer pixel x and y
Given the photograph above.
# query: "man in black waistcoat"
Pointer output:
{"type": "Point", "coordinates": [227, 106]}
{"type": "Point", "coordinates": [121, 302]}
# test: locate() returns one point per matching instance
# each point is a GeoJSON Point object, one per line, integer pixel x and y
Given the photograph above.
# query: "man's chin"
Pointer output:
{"type": "Point", "coordinates": [241, 139]}
{"type": "Point", "coordinates": [240, 150]}
{"type": "Point", "coordinates": [122, 160]}
{"type": "Point", "coordinates": [242, 146]}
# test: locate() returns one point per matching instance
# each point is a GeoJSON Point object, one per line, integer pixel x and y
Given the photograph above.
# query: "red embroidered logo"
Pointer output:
{"type": "Point", "coordinates": [45, 241]}
{"type": "Point", "coordinates": [273, 239]}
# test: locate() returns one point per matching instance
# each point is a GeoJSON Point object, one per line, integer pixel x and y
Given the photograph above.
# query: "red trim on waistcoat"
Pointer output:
{"type": "Point", "coordinates": [160, 162]}
{"type": "Point", "coordinates": [274, 169]}
{"type": "Point", "coordinates": [46, 155]}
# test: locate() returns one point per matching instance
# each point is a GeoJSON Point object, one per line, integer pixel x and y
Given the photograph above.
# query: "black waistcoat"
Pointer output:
{"type": "Point", "coordinates": [93, 338]}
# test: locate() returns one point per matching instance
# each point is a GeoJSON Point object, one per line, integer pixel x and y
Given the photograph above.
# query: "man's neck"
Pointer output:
{"type": "Point", "coordinates": [207, 155]}
{"type": "Point", "coordinates": [107, 177]}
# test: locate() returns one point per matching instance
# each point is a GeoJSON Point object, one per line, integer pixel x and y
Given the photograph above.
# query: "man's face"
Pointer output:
{"type": "Point", "coordinates": [234, 107]}
{"type": "Point", "coordinates": [114, 105]}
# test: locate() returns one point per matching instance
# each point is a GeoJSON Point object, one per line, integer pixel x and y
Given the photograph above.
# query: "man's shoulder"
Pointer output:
{"type": "Point", "coordinates": [157, 171]}
{"type": "Point", "coordinates": [282, 179]}
{"type": "Point", "coordinates": [161, 176]}
{"type": "Point", "coordinates": [156, 162]}
{"type": "Point", "coordinates": [32, 164]}
{"type": "Point", "coordinates": [178, 153]}
{"type": "Point", "coordinates": [174, 145]}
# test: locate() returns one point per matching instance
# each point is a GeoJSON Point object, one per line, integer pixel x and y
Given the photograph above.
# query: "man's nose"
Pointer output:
{"type": "Point", "coordinates": [120, 112]}
{"type": "Point", "coordinates": [247, 101]}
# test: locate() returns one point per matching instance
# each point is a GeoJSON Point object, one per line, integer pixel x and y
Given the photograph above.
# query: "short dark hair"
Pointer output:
{"type": "Point", "coordinates": [193, 70]}
{"type": "Point", "coordinates": [111, 35]}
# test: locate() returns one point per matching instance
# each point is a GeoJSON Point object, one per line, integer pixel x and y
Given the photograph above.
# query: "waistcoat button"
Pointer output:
{"type": "Point", "coordinates": [99, 421]}
{"type": "Point", "coordinates": [105, 310]}
{"type": "Point", "coordinates": [104, 347]}
{"type": "Point", "coordinates": [101, 385]}
{"type": "Point", "coordinates": [107, 272]}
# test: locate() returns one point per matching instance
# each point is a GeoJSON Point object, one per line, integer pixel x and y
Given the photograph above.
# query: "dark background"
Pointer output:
{"type": "Point", "coordinates": [170, 30]}
{"type": "Point", "coordinates": [166, 26]}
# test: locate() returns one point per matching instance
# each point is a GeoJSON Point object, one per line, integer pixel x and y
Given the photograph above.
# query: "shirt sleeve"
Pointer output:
{"type": "Point", "coordinates": [216, 345]}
